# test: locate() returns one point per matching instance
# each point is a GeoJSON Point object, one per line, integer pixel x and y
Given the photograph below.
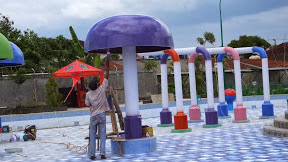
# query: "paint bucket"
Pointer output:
{"type": "Point", "coordinates": [5, 129]}
{"type": "Point", "coordinates": [147, 131]}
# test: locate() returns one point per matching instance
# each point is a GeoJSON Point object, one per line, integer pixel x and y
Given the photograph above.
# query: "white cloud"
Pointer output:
{"type": "Point", "coordinates": [35, 14]}
{"type": "Point", "coordinates": [32, 14]}
{"type": "Point", "coordinates": [263, 24]}
{"type": "Point", "coordinates": [269, 25]}
{"type": "Point", "coordinates": [56, 15]}
{"type": "Point", "coordinates": [90, 9]}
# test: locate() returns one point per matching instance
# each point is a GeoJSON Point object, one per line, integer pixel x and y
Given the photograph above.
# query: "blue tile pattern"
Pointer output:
{"type": "Point", "coordinates": [141, 107]}
{"type": "Point", "coordinates": [231, 142]}
{"type": "Point", "coordinates": [22, 117]}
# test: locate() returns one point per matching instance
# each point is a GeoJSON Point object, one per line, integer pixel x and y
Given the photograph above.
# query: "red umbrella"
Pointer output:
{"type": "Point", "coordinates": [76, 70]}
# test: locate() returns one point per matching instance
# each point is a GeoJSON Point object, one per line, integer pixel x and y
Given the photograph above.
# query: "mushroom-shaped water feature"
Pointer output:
{"type": "Point", "coordinates": [5, 48]}
{"type": "Point", "coordinates": [18, 58]}
{"type": "Point", "coordinates": [128, 34]}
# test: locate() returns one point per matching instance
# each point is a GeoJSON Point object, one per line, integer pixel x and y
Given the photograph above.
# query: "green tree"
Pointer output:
{"type": "Point", "coordinates": [208, 37]}
{"type": "Point", "coordinates": [57, 53]}
{"type": "Point", "coordinates": [41, 54]}
{"type": "Point", "coordinates": [86, 57]}
{"type": "Point", "coordinates": [200, 41]}
{"type": "Point", "coordinates": [250, 41]}
{"type": "Point", "coordinates": [29, 44]}
{"type": "Point", "coordinates": [77, 45]}
{"type": "Point", "coordinates": [199, 73]}
{"type": "Point", "coordinates": [7, 29]}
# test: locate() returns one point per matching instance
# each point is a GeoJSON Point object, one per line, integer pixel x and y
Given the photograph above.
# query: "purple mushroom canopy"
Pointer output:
{"type": "Point", "coordinates": [146, 33]}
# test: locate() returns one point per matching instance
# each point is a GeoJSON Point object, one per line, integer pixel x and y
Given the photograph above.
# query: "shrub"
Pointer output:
{"type": "Point", "coordinates": [171, 88]}
{"type": "Point", "coordinates": [150, 65]}
{"type": "Point", "coordinates": [53, 97]}
{"type": "Point", "coordinates": [20, 76]}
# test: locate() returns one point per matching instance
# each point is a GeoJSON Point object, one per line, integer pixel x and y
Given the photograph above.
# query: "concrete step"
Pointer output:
{"type": "Point", "coordinates": [286, 114]}
{"type": "Point", "coordinates": [281, 122]}
{"type": "Point", "coordinates": [270, 130]}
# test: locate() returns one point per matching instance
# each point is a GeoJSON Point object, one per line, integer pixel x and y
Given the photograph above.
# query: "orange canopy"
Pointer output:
{"type": "Point", "coordinates": [76, 70]}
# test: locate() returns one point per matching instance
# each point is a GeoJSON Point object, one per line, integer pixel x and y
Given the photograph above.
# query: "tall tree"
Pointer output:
{"type": "Point", "coordinates": [57, 53]}
{"type": "Point", "coordinates": [77, 45]}
{"type": "Point", "coordinates": [208, 37]}
{"type": "Point", "coordinates": [87, 57]}
{"type": "Point", "coordinates": [199, 73]}
{"type": "Point", "coordinates": [7, 29]}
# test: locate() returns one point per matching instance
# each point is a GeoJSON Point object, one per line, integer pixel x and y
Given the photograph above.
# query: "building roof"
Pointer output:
{"type": "Point", "coordinates": [279, 52]}
{"type": "Point", "coordinates": [254, 64]}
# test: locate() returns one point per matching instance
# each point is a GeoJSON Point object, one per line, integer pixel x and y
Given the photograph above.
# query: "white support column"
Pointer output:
{"type": "Point", "coordinates": [164, 86]}
{"type": "Point", "coordinates": [220, 82]}
{"type": "Point", "coordinates": [130, 81]}
{"type": "Point", "coordinates": [178, 86]}
{"type": "Point", "coordinates": [209, 83]}
{"type": "Point", "coordinates": [265, 76]}
{"type": "Point", "coordinates": [192, 80]}
{"type": "Point", "coordinates": [238, 84]}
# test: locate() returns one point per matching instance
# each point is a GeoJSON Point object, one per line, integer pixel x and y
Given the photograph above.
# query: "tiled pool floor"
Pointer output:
{"type": "Point", "coordinates": [231, 142]}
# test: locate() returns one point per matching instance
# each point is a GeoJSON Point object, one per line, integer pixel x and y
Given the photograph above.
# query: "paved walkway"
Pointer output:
{"type": "Point", "coordinates": [231, 142]}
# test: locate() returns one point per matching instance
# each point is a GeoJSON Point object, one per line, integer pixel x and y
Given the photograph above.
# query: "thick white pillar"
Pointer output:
{"type": "Point", "coordinates": [221, 82]}
{"type": "Point", "coordinates": [164, 86]}
{"type": "Point", "coordinates": [192, 80]}
{"type": "Point", "coordinates": [238, 84]}
{"type": "Point", "coordinates": [178, 86]}
{"type": "Point", "coordinates": [265, 77]}
{"type": "Point", "coordinates": [130, 81]}
{"type": "Point", "coordinates": [209, 83]}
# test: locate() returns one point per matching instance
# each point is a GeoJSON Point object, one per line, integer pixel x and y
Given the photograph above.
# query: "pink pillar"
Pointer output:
{"type": "Point", "coordinates": [194, 111]}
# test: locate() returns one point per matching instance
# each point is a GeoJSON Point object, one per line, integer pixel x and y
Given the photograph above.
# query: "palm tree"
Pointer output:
{"type": "Point", "coordinates": [86, 57]}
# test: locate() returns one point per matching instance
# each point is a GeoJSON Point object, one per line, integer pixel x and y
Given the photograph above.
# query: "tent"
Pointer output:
{"type": "Point", "coordinates": [76, 70]}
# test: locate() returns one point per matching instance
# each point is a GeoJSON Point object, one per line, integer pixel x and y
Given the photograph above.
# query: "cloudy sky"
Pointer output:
{"type": "Point", "coordinates": [187, 19]}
